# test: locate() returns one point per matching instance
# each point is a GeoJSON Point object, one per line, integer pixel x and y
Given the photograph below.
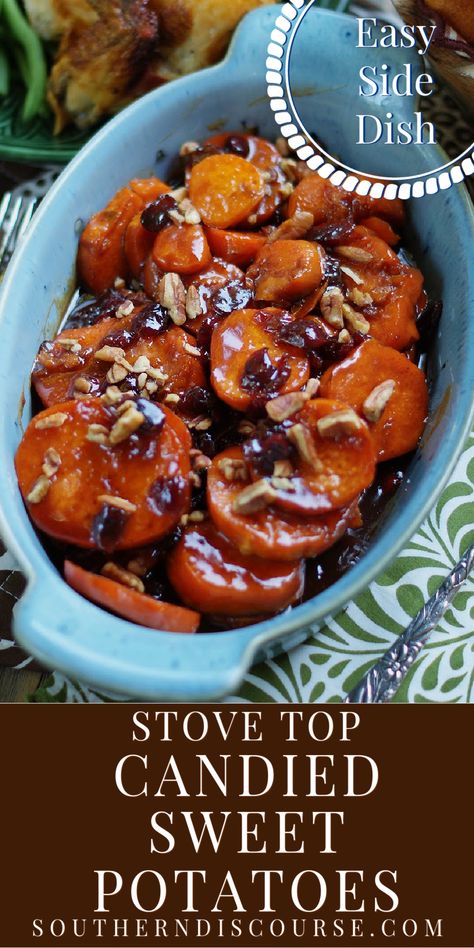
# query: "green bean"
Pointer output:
{"type": "Point", "coordinates": [34, 68]}
{"type": "Point", "coordinates": [4, 74]}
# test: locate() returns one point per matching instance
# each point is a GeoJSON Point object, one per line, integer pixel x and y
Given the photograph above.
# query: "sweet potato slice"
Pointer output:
{"type": "Point", "coordinates": [138, 245]}
{"type": "Point", "coordinates": [210, 574]}
{"type": "Point", "coordinates": [270, 532]}
{"type": "Point", "coordinates": [68, 367]}
{"type": "Point", "coordinates": [239, 247]}
{"type": "Point", "coordinates": [287, 270]}
{"type": "Point", "coordinates": [330, 204]}
{"type": "Point", "coordinates": [403, 405]}
{"type": "Point", "coordinates": [330, 468]}
{"type": "Point", "coordinates": [101, 255]}
{"type": "Point", "coordinates": [225, 189]}
{"type": "Point", "coordinates": [382, 229]}
{"type": "Point", "coordinates": [266, 158]}
{"type": "Point", "coordinates": [316, 196]}
{"type": "Point", "coordinates": [217, 274]}
{"type": "Point", "coordinates": [149, 189]}
{"type": "Point", "coordinates": [100, 479]}
{"type": "Point", "coordinates": [181, 248]}
{"type": "Point", "coordinates": [250, 362]}
{"type": "Point", "coordinates": [393, 287]}
{"type": "Point", "coordinates": [129, 603]}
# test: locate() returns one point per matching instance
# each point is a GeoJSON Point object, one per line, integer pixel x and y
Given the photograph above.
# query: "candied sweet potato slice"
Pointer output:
{"type": "Point", "coordinates": [271, 533]}
{"type": "Point", "coordinates": [249, 360]}
{"type": "Point", "coordinates": [330, 204]}
{"type": "Point", "coordinates": [225, 189]}
{"type": "Point", "coordinates": [287, 270]}
{"type": "Point", "coordinates": [61, 373]}
{"type": "Point", "coordinates": [317, 196]}
{"type": "Point", "coordinates": [239, 247]}
{"type": "Point", "coordinates": [397, 412]}
{"type": "Point", "coordinates": [330, 467]}
{"type": "Point", "coordinates": [100, 479]}
{"type": "Point", "coordinates": [101, 255]}
{"type": "Point", "coordinates": [211, 575]}
{"type": "Point", "coordinates": [138, 245]}
{"type": "Point", "coordinates": [149, 189]}
{"type": "Point", "coordinates": [382, 229]}
{"type": "Point", "coordinates": [266, 157]}
{"type": "Point", "coordinates": [129, 603]}
{"type": "Point", "coordinates": [181, 248]}
{"type": "Point", "coordinates": [392, 287]}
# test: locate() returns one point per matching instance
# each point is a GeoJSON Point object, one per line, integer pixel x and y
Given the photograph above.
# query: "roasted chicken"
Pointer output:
{"type": "Point", "coordinates": [111, 51]}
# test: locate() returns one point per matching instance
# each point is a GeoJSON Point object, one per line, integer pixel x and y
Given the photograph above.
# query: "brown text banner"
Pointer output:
{"type": "Point", "coordinates": [222, 825]}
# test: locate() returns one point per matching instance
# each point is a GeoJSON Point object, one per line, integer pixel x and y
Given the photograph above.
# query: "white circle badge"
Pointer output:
{"type": "Point", "coordinates": [382, 76]}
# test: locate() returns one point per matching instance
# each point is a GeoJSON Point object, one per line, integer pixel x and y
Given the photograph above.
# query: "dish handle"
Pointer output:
{"type": "Point", "coordinates": [71, 635]}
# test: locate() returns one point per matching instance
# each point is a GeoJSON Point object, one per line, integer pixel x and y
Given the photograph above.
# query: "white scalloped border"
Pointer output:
{"type": "Point", "coordinates": [291, 127]}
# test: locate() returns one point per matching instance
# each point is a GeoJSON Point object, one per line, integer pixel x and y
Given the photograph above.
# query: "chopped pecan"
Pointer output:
{"type": "Point", "coordinates": [301, 437]}
{"type": "Point", "coordinates": [122, 576]}
{"type": "Point", "coordinates": [51, 463]}
{"type": "Point", "coordinates": [284, 406]}
{"type": "Point", "coordinates": [193, 303]}
{"type": "Point", "coordinates": [255, 497]}
{"type": "Point", "coordinates": [352, 275]}
{"type": "Point", "coordinates": [356, 321]}
{"type": "Point", "coordinates": [233, 469]}
{"type": "Point", "coordinates": [294, 228]}
{"type": "Point", "coordinates": [109, 354]}
{"type": "Point", "coordinates": [172, 296]}
{"type": "Point", "coordinates": [51, 421]}
{"type": "Point", "coordinates": [375, 403]}
{"type": "Point", "coordinates": [344, 422]}
{"type": "Point", "coordinates": [82, 385]}
{"type": "Point", "coordinates": [39, 490]}
{"type": "Point", "coordinates": [126, 424]}
{"type": "Point", "coordinates": [119, 502]}
{"type": "Point", "coordinates": [331, 305]}
{"type": "Point", "coordinates": [357, 254]}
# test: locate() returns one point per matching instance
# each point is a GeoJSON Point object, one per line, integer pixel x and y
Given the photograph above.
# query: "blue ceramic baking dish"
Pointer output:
{"type": "Point", "coordinates": [53, 622]}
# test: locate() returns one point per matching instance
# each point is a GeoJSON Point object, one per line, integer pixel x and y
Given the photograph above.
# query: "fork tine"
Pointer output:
{"type": "Point", "coordinates": [10, 227]}
{"type": "Point", "coordinates": [4, 205]}
{"type": "Point", "coordinates": [23, 221]}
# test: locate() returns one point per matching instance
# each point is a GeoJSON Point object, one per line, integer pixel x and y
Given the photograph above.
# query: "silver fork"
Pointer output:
{"type": "Point", "coordinates": [15, 215]}
{"type": "Point", "coordinates": [382, 681]}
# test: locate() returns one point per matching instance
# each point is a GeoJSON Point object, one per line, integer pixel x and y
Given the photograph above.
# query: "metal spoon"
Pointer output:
{"type": "Point", "coordinates": [382, 682]}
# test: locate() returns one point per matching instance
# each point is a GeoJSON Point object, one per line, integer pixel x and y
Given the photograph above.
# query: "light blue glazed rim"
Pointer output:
{"type": "Point", "coordinates": [51, 621]}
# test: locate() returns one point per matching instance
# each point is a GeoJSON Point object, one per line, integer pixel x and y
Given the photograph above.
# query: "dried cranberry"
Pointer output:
{"type": "Point", "coordinates": [305, 334]}
{"type": "Point", "coordinates": [204, 442]}
{"type": "Point", "coordinates": [165, 494]}
{"type": "Point", "coordinates": [331, 233]}
{"type": "Point", "coordinates": [234, 295]}
{"type": "Point", "coordinates": [91, 311]}
{"type": "Point", "coordinates": [154, 416]}
{"type": "Point", "coordinates": [156, 215]}
{"type": "Point", "coordinates": [150, 321]}
{"type": "Point", "coordinates": [121, 338]}
{"type": "Point", "coordinates": [332, 271]}
{"type": "Point", "coordinates": [334, 351]}
{"type": "Point", "coordinates": [261, 375]}
{"type": "Point", "coordinates": [198, 400]}
{"type": "Point", "coordinates": [204, 334]}
{"type": "Point", "coordinates": [263, 450]}
{"type": "Point", "coordinates": [107, 527]}
{"type": "Point", "coordinates": [237, 145]}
